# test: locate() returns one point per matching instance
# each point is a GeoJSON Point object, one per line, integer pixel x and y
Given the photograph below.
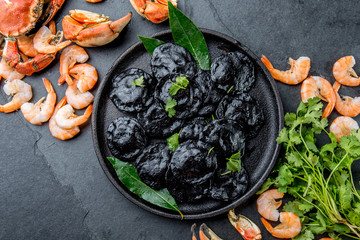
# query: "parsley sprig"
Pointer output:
{"type": "Point", "coordinates": [319, 178]}
{"type": "Point", "coordinates": [170, 106]}
{"type": "Point", "coordinates": [233, 163]}
{"type": "Point", "coordinates": [180, 83]}
{"type": "Point", "coordinates": [138, 82]}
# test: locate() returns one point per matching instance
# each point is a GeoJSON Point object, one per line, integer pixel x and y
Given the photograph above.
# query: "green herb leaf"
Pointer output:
{"type": "Point", "coordinates": [233, 163]}
{"type": "Point", "coordinates": [186, 34]}
{"type": "Point", "coordinates": [150, 43]}
{"type": "Point", "coordinates": [170, 105]}
{"type": "Point", "coordinates": [181, 83]}
{"type": "Point", "coordinates": [129, 177]}
{"type": "Point", "coordinates": [173, 141]}
{"type": "Point", "coordinates": [138, 82]}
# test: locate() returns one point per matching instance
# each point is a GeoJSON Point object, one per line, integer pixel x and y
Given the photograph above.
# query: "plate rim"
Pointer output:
{"type": "Point", "coordinates": [175, 215]}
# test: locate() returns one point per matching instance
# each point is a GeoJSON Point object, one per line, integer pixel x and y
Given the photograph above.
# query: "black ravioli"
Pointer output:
{"type": "Point", "coordinates": [126, 138]}
{"type": "Point", "coordinates": [192, 129]}
{"type": "Point", "coordinates": [188, 100]}
{"type": "Point", "coordinates": [225, 134]}
{"type": "Point", "coordinates": [191, 170]}
{"type": "Point", "coordinates": [152, 164]}
{"type": "Point", "coordinates": [244, 109]}
{"type": "Point", "coordinates": [245, 73]}
{"type": "Point", "coordinates": [229, 186]}
{"type": "Point", "coordinates": [127, 97]}
{"type": "Point", "coordinates": [169, 59]}
{"type": "Point", "coordinates": [156, 122]}
{"type": "Point", "coordinates": [223, 72]}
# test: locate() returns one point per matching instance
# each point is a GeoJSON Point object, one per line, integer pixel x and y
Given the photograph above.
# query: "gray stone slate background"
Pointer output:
{"type": "Point", "coordinates": [52, 189]}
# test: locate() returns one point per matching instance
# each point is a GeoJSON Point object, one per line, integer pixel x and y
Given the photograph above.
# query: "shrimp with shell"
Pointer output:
{"type": "Point", "coordinates": [345, 105]}
{"type": "Point", "coordinates": [68, 58]}
{"type": "Point", "coordinates": [289, 227]}
{"type": "Point", "coordinates": [21, 92]}
{"type": "Point", "coordinates": [315, 86]}
{"type": "Point", "coordinates": [86, 76]}
{"type": "Point", "coordinates": [344, 73]}
{"type": "Point", "coordinates": [40, 112]}
{"type": "Point", "coordinates": [342, 126]}
{"type": "Point", "coordinates": [58, 132]}
{"type": "Point", "coordinates": [298, 71]}
{"type": "Point", "coordinates": [267, 205]}
{"type": "Point", "coordinates": [67, 119]}
{"type": "Point", "coordinates": [44, 38]}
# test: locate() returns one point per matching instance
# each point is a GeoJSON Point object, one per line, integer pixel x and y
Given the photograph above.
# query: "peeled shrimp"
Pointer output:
{"type": "Point", "coordinates": [326, 238]}
{"type": "Point", "coordinates": [86, 75]}
{"type": "Point", "coordinates": [296, 74]}
{"type": "Point", "coordinates": [267, 206]}
{"type": "Point", "coordinates": [42, 41]}
{"type": "Point", "coordinates": [9, 73]}
{"type": "Point", "coordinates": [315, 86]}
{"type": "Point", "coordinates": [342, 126]}
{"type": "Point", "coordinates": [57, 131]}
{"type": "Point", "coordinates": [94, 1]}
{"type": "Point", "coordinates": [26, 45]}
{"type": "Point", "coordinates": [67, 119]}
{"type": "Point", "coordinates": [349, 106]}
{"type": "Point", "coordinates": [289, 227]}
{"type": "Point", "coordinates": [21, 92]}
{"type": "Point", "coordinates": [78, 99]}
{"type": "Point", "coordinates": [69, 57]}
{"type": "Point", "coordinates": [344, 73]}
{"type": "Point", "coordinates": [40, 112]}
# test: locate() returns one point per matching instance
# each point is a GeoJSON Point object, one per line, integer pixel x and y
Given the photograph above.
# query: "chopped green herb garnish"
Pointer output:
{"type": "Point", "coordinates": [181, 83]}
{"type": "Point", "coordinates": [230, 89]}
{"type": "Point", "coordinates": [138, 82]}
{"type": "Point", "coordinates": [210, 150]}
{"type": "Point", "coordinates": [233, 163]}
{"type": "Point", "coordinates": [170, 105]}
{"type": "Point", "coordinates": [173, 141]}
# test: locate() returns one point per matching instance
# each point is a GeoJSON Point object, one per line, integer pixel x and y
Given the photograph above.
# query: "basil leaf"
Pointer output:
{"type": "Point", "coordinates": [150, 43]}
{"type": "Point", "coordinates": [129, 177]}
{"type": "Point", "coordinates": [186, 34]}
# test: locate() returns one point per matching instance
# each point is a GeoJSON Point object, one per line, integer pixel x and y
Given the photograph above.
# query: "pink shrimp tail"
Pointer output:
{"type": "Point", "coordinates": [88, 111]}
{"type": "Point", "coordinates": [48, 86]}
{"type": "Point", "coordinates": [267, 63]}
{"type": "Point", "coordinates": [65, 78]}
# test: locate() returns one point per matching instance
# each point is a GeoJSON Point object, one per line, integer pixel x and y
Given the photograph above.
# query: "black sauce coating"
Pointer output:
{"type": "Point", "coordinates": [152, 164]}
{"type": "Point", "coordinates": [244, 109]}
{"type": "Point", "coordinates": [188, 100]}
{"type": "Point", "coordinates": [126, 138]}
{"type": "Point", "coordinates": [171, 59]}
{"type": "Point", "coordinates": [225, 135]}
{"type": "Point", "coordinates": [191, 170]}
{"type": "Point", "coordinates": [127, 97]}
{"type": "Point", "coordinates": [233, 71]}
{"type": "Point", "coordinates": [156, 122]}
{"type": "Point", "coordinates": [230, 186]}
{"type": "Point", "coordinates": [192, 129]}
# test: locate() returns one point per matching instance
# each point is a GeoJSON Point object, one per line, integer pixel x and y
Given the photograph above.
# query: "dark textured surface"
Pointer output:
{"type": "Point", "coordinates": [57, 190]}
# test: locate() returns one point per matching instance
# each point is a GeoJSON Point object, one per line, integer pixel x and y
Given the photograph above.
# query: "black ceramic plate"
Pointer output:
{"type": "Point", "coordinates": [263, 148]}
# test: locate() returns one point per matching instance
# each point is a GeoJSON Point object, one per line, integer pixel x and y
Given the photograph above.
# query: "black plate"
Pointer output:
{"type": "Point", "coordinates": [264, 149]}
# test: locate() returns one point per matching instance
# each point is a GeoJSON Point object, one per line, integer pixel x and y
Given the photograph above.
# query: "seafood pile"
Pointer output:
{"type": "Point", "coordinates": [208, 115]}
{"type": "Point", "coordinates": [316, 86]}
{"type": "Point", "coordinates": [24, 54]}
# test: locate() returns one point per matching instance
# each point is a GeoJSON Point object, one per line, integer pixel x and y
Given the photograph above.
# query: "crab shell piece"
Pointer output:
{"type": "Point", "coordinates": [247, 229]}
{"type": "Point", "coordinates": [19, 16]}
{"type": "Point", "coordinates": [155, 11]}
{"type": "Point", "coordinates": [89, 29]}
{"type": "Point", "coordinates": [205, 233]}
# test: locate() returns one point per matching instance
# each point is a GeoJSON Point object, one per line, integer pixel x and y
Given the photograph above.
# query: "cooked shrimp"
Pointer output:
{"type": "Point", "coordinates": [315, 86]}
{"type": "Point", "coordinates": [94, 1]}
{"type": "Point", "coordinates": [86, 75]}
{"type": "Point", "coordinates": [296, 74]}
{"type": "Point", "coordinates": [57, 131]}
{"type": "Point", "coordinates": [9, 73]}
{"type": "Point", "coordinates": [67, 119]}
{"type": "Point", "coordinates": [349, 106]}
{"type": "Point", "coordinates": [21, 92]}
{"type": "Point", "coordinates": [326, 239]}
{"type": "Point", "coordinates": [69, 57]}
{"type": "Point", "coordinates": [342, 126]}
{"type": "Point", "coordinates": [26, 45]}
{"type": "Point", "coordinates": [344, 73]}
{"type": "Point", "coordinates": [40, 112]}
{"type": "Point", "coordinates": [289, 227]}
{"type": "Point", "coordinates": [78, 99]}
{"type": "Point", "coordinates": [267, 206]}
{"type": "Point", "coordinates": [43, 41]}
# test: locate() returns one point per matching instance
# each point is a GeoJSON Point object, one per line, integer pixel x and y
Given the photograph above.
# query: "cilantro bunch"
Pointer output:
{"type": "Point", "coordinates": [318, 177]}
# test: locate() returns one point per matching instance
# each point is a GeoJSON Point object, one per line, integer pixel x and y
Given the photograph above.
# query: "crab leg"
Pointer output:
{"type": "Point", "coordinates": [36, 64]}
{"type": "Point", "coordinates": [10, 53]}
{"type": "Point", "coordinates": [247, 229]}
{"type": "Point", "coordinates": [52, 9]}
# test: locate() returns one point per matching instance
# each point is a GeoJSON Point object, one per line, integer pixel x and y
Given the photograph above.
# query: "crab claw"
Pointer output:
{"type": "Point", "coordinates": [154, 11]}
{"type": "Point", "coordinates": [52, 9]}
{"type": "Point", "coordinates": [247, 229]}
{"type": "Point", "coordinates": [205, 233]}
{"type": "Point", "coordinates": [89, 29]}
